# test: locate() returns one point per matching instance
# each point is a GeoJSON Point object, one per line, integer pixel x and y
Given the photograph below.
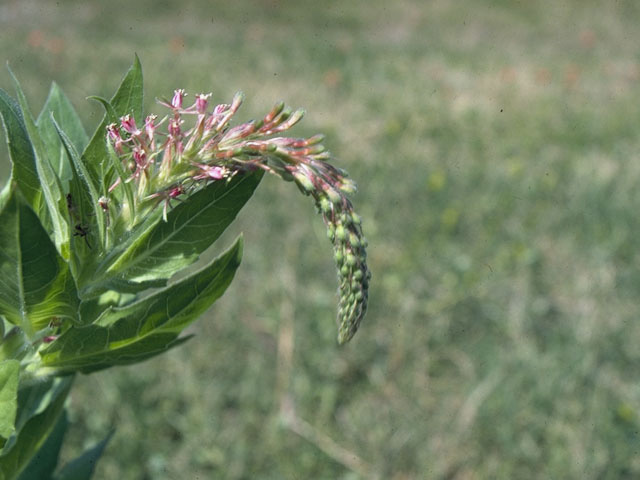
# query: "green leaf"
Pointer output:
{"type": "Point", "coordinates": [59, 106]}
{"type": "Point", "coordinates": [147, 327]}
{"type": "Point", "coordinates": [23, 162]}
{"type": "Point", "coordinates": [191, 227]}
{"type": "Point", "coordinates": [82, 467]}
{"type": "Point", "coordinates": [44, 462]}
{"type": "Point", "coordinates": [9, 373]}
{"type": "Point", "coordinates": [35, 431]}
{"type": "Point", "coordinates": [35, 283]}
{"type": "Point", "coordinates": [49, 182]}
{"type": "Point", "coordinates": [128, 99]}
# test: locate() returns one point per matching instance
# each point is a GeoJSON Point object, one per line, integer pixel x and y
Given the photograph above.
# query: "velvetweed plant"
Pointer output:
{"type": "Point", "coordinates": [94, 230]}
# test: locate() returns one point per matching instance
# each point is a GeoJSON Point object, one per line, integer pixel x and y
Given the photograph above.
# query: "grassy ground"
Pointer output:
{"type": "Point", "coordinates": [496, 149]}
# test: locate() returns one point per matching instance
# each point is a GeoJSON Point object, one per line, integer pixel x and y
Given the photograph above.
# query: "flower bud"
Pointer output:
{"type": "Point", "coordinates": [353, 240]}
{"type": "Point", "coordinates": [178, 95]}
{"type": "Point", "coordinates": [201, 102]}
{"type": "Point", "coordinates": [304, 182]}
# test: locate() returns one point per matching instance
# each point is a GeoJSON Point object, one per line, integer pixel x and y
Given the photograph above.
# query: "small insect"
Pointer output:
{"type": "Point", "coordinates": [70, 206]}
{"type": "Point", "coordinates": [80, 231]}
{"type": "Point", "coordinates": [55, 322]}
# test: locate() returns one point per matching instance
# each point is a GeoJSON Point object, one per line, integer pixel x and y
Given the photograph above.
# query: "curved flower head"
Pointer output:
{"type": "Point", "coordinates": [199, 147]}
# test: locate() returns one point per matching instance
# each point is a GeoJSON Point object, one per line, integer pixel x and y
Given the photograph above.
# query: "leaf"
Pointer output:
{"type": "Point", "coordinates": [44, 462]}
{"type": "Point", "coordinates": [82, 467]}
{"type": "Point", "coordinates": [147, 327]}
{"type": "Point", "coordinates": [23, 169]}
{"type": "Point", "coordinates": [191, 227]}
{"type": "Point", "coordinates": [128, 99]}
{"type": "Point", "coordinates": [9, 372]}
{"type": "Point", "coordinates": [35, 283]}
{"type": "Point", "coordinates": [49, 182]}
{"type": "Point", "coordinates": [30, 438]}
{"type": "Point", "coordinates": [58, 105]}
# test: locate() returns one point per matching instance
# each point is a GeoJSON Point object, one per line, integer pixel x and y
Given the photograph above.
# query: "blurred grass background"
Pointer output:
{"type": "Point", "coordinates": [496, 146]}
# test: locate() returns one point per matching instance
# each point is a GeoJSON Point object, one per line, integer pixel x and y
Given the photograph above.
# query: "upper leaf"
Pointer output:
{"type": "Point", "coordinates": [59, 106]}
{"type": "Point", "coordinates": [23, 162]}
{"type": "Point", "coordinates": [55, 216]}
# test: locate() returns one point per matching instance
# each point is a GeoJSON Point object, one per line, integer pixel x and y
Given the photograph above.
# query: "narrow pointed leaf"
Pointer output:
{"type": "Point", "coordinates": [23, 162]}
{"type": "Point", "coordinates": [45, 461]}
{"type": "Point", "coordinates": [82, 468]}
{"type": "Point", "coordinates": [49, 181]}
{"type": "Point", "coordinates": [58, 105]}
{"type": "Point", "coordinates": [35, 283]}
{"type": "Point", "coordinates": [191, 227]}
{"type": "Point", "coordinates": [9, 373]}
{"type": "Point", "coordinates": [135, 332]}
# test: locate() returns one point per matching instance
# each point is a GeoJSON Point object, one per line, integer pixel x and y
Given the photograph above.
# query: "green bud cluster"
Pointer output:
{"type": "Point", "coordinates": [353, 274]}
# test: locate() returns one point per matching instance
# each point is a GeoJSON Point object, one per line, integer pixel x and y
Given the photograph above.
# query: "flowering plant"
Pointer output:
{"type": "Point", "coordinates": [94, 230]}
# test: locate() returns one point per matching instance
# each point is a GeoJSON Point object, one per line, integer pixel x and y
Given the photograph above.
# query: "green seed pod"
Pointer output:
{"type": "Point", "coordinates": [357, 275]}
{"type": "Point", "coordinates": [341, 233]}
{"type": "Point", "coordinates": [351, 260]}
{"type": "Point", "coordinates": [344, 270]}
{"type": "Point", "coordinates": [339, 257]}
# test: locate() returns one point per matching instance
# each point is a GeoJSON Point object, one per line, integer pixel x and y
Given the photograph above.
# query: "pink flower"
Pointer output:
{"type": "Point", "coordinates": [178, 95]}
{"type": "Point", "coordinates": [150, 127]}
{"type": "Point", "coordinates": [128, 124]}
{"type": "Point", "coordinates": [208, 172]}
{"type": "Point", "coordinates": [202, 101]}
{"type": "Point", "coordinates": [174, 127]}
{"type": "Point", "coordinates": [114, 135]}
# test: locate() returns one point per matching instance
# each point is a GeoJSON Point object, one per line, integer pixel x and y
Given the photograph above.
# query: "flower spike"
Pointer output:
{"type": "Point", "coordinates": [211, 150]}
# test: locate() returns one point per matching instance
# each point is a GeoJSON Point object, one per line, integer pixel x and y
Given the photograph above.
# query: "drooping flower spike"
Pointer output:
{"type": "Point", "coordinates": [167, 165]}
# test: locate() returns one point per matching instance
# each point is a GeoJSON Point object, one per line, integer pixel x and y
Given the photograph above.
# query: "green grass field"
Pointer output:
{"type": "Point", "coordinates": [496, 147]}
